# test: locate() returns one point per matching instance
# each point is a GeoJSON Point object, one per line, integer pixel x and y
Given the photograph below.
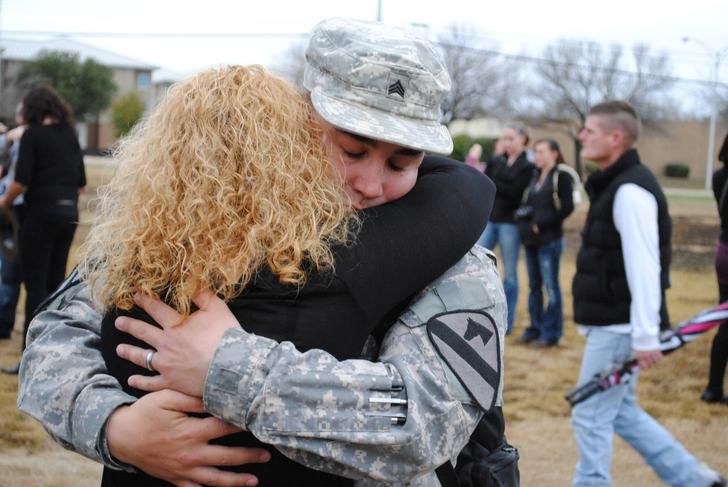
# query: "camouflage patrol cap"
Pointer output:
{"type": "Point", "coordinates": [379, 82]}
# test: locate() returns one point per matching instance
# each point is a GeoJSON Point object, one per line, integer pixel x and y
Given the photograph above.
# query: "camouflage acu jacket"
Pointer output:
{"type": "Point", "coordinates": [390, 422]}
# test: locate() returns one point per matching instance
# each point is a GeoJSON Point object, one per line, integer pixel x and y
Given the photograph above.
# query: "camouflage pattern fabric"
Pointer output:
{"type": "Point", "coordinates": [385, 423]}
{"type": "Point", "coordinates": [378, 81]}
{"type": "Point", "coordinates": [63, 381]}
{"type": "Point", "coordinates": [345, 417]}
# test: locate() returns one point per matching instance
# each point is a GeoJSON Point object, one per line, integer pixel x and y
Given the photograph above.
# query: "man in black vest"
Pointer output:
{"type": "Point", "coordinates": [622, 271]}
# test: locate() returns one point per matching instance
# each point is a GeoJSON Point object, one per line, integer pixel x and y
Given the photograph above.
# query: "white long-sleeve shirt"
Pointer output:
{"type": "Point", "coordinates": [635, 217]}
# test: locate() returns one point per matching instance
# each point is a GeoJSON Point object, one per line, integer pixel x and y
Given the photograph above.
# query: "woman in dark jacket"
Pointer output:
{"type": "Point", "coordinates": [49, 173]}
{"type": "Point", "coordinates": [547, 203]}
{"type": "Point", "coordinates": [719, 349]}
{"type": "Point", "coordinates": [511, 175]}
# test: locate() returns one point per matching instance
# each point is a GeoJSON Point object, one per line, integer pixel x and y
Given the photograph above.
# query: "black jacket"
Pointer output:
{"type": "Point", "coordinates": [545, 215]}
{"type": "Point", "coordinates": [720, 182]}
{"type": "Point", "coordinates": [510, 183]}
{"type": "Point", "coordinates": [600, 289]}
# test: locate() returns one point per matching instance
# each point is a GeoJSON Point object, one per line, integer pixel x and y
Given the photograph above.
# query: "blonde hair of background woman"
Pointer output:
{"type": "Point", "coordinates": [226, 175]}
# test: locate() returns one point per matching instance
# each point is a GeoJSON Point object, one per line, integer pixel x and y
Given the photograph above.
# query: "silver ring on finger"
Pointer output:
{"type": "Point", "coordinates": [148, 360]}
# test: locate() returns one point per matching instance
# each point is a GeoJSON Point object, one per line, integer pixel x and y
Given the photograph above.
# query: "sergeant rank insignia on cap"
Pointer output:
{"type": "Point", "coordinates": [397, 85]}
{"type": "Point", "coordinates": [396, 88]}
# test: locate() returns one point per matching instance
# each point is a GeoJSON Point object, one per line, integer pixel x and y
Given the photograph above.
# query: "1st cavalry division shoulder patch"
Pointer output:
{"type": "Point", "coordinates": [469, 342]}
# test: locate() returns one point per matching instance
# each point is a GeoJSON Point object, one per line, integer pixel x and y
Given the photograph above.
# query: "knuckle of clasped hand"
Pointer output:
{"type": "Point", "coordinates": [185, 459]}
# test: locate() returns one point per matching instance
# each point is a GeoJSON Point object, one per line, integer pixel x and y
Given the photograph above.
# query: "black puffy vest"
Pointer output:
{"type": "Point", "coordinates": [601, 293]}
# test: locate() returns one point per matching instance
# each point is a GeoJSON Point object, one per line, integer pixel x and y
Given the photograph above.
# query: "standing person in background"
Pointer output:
{"type": "Point", "coordinates": [622, 272]}
{"type": "Point", "coordinates": [10, 277]}
{"type": "Point", "coordinates": [719, 349]}
{"type": "Point", "coordinates": [49, 174]}
{"type": "Point", "coordinates": [473, 157]}
{"type": "Point", "coordinates": [548, 202]}
{"type": "Point", "coordinates": [499, 153]}
{"type": "Point", "coordinates": [511, 176]}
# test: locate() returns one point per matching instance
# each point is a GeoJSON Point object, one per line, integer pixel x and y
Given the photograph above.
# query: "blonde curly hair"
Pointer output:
{"type": "Point", "coordinates": [225, 176]}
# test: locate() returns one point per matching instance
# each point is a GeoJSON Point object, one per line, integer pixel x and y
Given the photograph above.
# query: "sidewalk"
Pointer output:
{"type": "Point", "coordinates": [693, 192]}
{"type": "Point", "coordinates": [97, 161]}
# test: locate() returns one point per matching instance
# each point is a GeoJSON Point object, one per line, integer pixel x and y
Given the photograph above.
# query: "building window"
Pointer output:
{"type": "Point", "coordinates": [143, 80]}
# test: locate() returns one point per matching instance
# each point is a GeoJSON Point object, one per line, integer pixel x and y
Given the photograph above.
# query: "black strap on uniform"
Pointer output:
{"type": "Point", "coordinates": [446, 475]}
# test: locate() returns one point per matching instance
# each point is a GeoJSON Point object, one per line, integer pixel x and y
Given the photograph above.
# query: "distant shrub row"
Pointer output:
{"type": "Point", "coordinates": [677, 170]}
{"type": "Point", "coordinates": [462, 143]}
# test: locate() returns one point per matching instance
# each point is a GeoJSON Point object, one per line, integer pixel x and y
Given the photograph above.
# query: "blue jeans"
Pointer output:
{"type": "Point", "coordinates": [10, 280]}
{"type": "Point", "coordinates": [616, 410]}
{"type": "Point", "coordinates": [543, 272]}
{"type": "Point", "coordinates": [507, 237]}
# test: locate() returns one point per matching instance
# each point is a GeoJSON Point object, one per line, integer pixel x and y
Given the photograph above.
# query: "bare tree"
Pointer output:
{"type": "Point", "coordinates": [719, 96]}
{"type": "Point", "coordinates": [573, 76]}
{"type": "Point", "coordinates": [482, 81]}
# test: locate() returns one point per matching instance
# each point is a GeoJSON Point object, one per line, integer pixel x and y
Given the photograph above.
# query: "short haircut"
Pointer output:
{"type": "Point", "coordinates": [620, 115]}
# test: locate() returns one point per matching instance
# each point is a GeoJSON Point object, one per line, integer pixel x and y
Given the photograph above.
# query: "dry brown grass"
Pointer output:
{"type": "Point", "coordinates": [537, 414]}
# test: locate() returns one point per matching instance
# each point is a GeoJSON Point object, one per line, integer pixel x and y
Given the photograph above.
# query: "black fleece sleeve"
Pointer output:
{"type": "Point", "coordinates": [512, 188]}
{"type": "Point", "coordinates": [404, 245]}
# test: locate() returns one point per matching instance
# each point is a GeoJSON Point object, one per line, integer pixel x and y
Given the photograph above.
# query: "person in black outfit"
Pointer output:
{"type": "Point", "coordinates": [719, 351]}
{"type": "Point", "coordinates": [373, 280]}
{"type": "Point", "coordinates": [49, 174]}
{"type": "Point", "coordinates": [511, 176]}
{"type": "Point", "coordinates": [547, 204]}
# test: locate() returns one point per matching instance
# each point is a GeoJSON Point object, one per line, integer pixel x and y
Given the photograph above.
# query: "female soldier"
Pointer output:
{"type": "Point", "coordinates": [375, 150]}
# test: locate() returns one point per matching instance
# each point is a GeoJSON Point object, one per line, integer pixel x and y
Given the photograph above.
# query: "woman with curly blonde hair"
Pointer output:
{"type": "Point", "coordinates": [226, 176]}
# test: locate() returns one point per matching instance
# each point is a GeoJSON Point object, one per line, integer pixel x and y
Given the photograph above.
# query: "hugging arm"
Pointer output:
{"type": "Point", "coordinates": [406, 244]}
{"type": "Point", "coordinates": [63, 379]}
{"type": "Point", "coordinates": [389, 421]}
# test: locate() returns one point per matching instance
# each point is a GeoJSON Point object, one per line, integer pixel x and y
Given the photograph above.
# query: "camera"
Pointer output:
{"type": "Point", "coordinates": [524, 212]}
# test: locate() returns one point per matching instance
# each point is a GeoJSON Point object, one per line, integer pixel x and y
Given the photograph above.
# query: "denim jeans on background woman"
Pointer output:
{"type": "Point", "coordinates": [542, 262]}
{"type": "Point", "coordinates": [507, 237]}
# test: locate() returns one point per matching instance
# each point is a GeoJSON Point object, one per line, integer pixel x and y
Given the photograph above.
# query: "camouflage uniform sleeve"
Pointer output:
{"type": "Point", "coordinates": [392, 421]}
{"type": "Point", "coordinates": [63, 381]}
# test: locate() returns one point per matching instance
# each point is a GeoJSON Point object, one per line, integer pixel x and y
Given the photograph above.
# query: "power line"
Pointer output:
{"type": "Point", "coordinates": [291, 35]}
{"type": "Point", "coordinates": [211, 35]}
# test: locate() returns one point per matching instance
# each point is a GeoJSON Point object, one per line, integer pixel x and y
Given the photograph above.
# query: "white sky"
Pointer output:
{"type": "Point", "coordinates": [510, 26]}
